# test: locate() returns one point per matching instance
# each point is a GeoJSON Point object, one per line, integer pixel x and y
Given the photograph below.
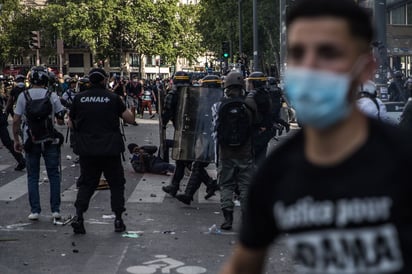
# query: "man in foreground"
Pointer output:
{"type": "Point", "coordinates": [344, 209]}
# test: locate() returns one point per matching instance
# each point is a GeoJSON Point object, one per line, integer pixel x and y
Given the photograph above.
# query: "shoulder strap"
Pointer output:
{"type": "Point", "coordinates": [373, 99]}
{"type": "Point", "coordinates": [27, 95]}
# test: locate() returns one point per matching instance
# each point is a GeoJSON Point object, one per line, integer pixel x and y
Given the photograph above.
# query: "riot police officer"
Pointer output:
{"type": "Point", "coordinates": [202, 144]}
{"type": "Point", "coordinates": [181, 80]}
{"type": "Point", "coordinates": [259, 94]}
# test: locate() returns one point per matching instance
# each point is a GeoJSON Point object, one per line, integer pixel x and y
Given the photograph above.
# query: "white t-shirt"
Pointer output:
{"type": "Point", "coordinates": [368, 107]}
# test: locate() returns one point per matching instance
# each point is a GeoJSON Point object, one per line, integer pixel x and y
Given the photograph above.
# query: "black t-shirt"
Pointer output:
{"type": "Point", "coordinates": [134, 89]}
{"type": "Point", "coordinates": [354, 217]}
{"type": "Point", "coordinates": [95, 113]}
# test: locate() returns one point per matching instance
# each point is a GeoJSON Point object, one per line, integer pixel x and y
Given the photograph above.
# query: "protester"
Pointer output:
{"type": "Point", "coordinates": [95, 118]}
{"type": "Point", "coordinates": [39, 108]}
{"type": "Point", "coordinates": [143, 160]}
{"type": "Point", "coordinates": [370, 104]}
{"type": "Point", "coordinates": [338, 191]}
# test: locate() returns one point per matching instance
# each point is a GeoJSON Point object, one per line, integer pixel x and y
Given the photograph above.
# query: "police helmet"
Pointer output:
{"type": "Point", "coordinates": [211, 80]}
{"type": "Point", "coordinates": [272, 81]}
{"type": "Point", "coordinates": [20, 78]}
{"type": "Point", "coordinates": [398, 74]}
{"type": "Point", "coordinates": [39, 76]}
{"type": "Point", "coordinates": [234, 78]}
{"type": "Point", "coordinates": [258, 79]}
{"type": "Point", "coordinates": [181, 77]}
{"type": "Point", "coordinates": [368, 87]}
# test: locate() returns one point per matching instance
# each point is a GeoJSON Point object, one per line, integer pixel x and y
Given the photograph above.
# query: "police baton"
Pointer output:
{"type": "Point", "coordinates": [123, 135]}
{"type": "Point", "coordinates": [67, 133]}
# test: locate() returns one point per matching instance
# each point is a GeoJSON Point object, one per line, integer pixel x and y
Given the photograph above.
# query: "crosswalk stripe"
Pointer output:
{"type": "Point", "coordinates": [3, 167]}
{"type": "Point", "coordinates": [70, 194]}
{"type": "Point", "coordinates": [18, 187]}
{"type": "Point", "coordinates": [149, 189]}
{"type": "Point", "coordinates": [14, 190]}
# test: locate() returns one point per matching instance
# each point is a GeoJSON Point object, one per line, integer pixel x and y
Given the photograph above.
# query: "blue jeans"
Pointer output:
{"type": "Point", "coordinates": [51, 155]}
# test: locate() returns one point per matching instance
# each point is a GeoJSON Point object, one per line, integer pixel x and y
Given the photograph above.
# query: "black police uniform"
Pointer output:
{"type": "Point", "coordinates": [5, 137]}
{"type": "Point", "coordinates": [95, 115]}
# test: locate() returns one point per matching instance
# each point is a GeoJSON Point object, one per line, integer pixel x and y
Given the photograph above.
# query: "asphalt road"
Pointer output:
{"type": "Point", "coordinates": [164, 235]}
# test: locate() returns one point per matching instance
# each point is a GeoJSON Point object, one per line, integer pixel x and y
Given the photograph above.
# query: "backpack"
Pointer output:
{"type": "Point", "coordinates": [233, 125]}
{"type": "Point", "coordinates": [373, 99]}
{"type": "Point", "coordinates": [39, 114]}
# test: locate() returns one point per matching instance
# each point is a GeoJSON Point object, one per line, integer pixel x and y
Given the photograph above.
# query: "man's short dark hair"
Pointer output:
{"type": "Point", "coordinates": [358, 18]}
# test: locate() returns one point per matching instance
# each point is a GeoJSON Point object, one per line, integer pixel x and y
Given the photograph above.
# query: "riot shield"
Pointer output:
{"type": "Point", "coordinates": [193, 133]}
{"type": "Point", "coordinates": [162, 130]}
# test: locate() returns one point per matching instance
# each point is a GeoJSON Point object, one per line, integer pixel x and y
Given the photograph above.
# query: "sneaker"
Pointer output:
{"type": "Point", "coordinates": [78, 226]}
{"type": "Point", "coordinates": [119, 226]}
{"type": "Point", "coordinates": [34, 216]}
{"type": "Point", "coordinates": [135, 123]}
{"type": "Point", "coordinates": [20, 166]}
{"type": "Point", "coordinates": [152, 116]}
{"type": "Point", "coordinates": [56, 215]}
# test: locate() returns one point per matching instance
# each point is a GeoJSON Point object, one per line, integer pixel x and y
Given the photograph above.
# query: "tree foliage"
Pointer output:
{"type": "Point", "coordinates": [106, 27]}
{"type": "Point", "coordinates": [219, 21]}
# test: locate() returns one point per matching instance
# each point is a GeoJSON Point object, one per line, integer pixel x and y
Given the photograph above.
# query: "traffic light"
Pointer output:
{"type": "Point", "coordinates": [225, 49]}
{"type": "Point", "coordinates": [34, 40]}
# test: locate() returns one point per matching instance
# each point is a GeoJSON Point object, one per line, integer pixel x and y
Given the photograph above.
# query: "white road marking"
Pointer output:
{"type": "Point", "coordinates": [18, 187]}
{"type": "Point", "coordinates": [149, 189]}
{"type": "Point", "coordinates": [3, 167]}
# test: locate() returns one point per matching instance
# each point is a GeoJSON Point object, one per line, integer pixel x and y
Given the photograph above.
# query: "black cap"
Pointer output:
{"type": "Point", "coordinates": [96, 75]}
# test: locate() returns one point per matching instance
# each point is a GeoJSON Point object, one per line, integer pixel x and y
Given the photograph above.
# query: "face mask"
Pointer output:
{"type": "Point", "coordinates": [134, 81]}
{"type": "Point", "coordinates": [319, 97]}
{"type": "Point", "coordinates": [20, 85]}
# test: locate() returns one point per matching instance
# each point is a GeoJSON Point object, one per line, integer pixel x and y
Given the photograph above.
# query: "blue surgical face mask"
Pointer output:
{"type": "Point", "coordinates": [319, 97]}
{"type": "Point", "coordinates": [21, 85]}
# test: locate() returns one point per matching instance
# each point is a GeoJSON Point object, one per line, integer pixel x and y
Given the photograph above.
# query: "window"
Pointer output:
{"type": "Point", "coordinates": [76, 60]}
{"type": "Point", "coordinates": [18, 60]}
{"type": "Point", "coordinates": [32, 60]}
{"type": "Point", "coordinates": [134, 60]}
{"type": "Point", "coordinates": [409, 14]}
{"type": "Point", "coordinates": [53, 60]}
{"type": "Point", "coordinates": [398, 16]}
{"type": "Point", "coordinates": [115, 60]}
{"type": "Point", "coordinates": [149, 61]}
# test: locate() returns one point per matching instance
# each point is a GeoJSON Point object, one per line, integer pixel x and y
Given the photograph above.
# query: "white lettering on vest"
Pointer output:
{"type": "Point", "coordinates": [94, 99]}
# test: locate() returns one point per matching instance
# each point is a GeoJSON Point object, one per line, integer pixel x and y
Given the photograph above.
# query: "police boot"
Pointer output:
{"type": "Point", "coordinates": [211, 188]}
{"type": "Point", "coordinates": [228, 215]}
{"type": "Point", "coordinates": [192, 186]}
{"type": "Point", "coordinates": [171, 189]}
{"type": "Point", "coordinates": [21, 163]}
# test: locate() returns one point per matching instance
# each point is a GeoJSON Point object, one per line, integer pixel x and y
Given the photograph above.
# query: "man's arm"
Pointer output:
{"type": "Point", "coordinates": [128, 116]}
{"type": "Point", "coordinates": [245, 261]}
{"type": "Point", "coordinates": [16, 131]}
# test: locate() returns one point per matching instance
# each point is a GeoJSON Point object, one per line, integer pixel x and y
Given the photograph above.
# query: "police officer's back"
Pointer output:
{"type": "Point", "coordinates": [95, 117]}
